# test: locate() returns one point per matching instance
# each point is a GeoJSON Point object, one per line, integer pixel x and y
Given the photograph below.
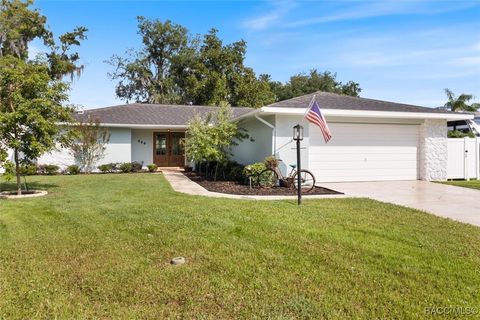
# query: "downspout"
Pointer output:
{"type": "Point", "coordinates": [274, 134]}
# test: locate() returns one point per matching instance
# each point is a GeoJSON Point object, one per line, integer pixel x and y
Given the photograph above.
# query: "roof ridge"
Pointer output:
{"type": "Point", "coordinates": [159, 105]}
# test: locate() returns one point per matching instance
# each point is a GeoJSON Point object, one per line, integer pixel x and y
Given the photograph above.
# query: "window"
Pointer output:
{"type": "Point", "coordinates": [161, 144]}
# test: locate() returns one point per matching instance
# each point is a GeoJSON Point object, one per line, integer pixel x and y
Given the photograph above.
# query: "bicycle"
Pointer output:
{"type": "Point", "coordinates": [273, 176]}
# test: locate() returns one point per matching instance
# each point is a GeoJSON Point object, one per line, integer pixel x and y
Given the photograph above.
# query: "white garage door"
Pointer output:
{"type": "Point", "coordinates": [364, 152]}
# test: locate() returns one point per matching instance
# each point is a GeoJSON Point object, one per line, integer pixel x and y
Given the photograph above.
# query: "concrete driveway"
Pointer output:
{"type": "Point", "coordinates": [457, 203]}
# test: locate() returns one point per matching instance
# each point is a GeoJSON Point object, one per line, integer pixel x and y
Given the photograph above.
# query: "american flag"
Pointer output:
{"type": "Point", "coordinates": [314, 115]}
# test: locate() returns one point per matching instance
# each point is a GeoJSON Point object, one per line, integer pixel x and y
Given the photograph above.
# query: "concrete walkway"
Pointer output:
{"type": "Point", "coordinates": [181, 183]}
{"type": "Point", "coordinates": [457, 203]}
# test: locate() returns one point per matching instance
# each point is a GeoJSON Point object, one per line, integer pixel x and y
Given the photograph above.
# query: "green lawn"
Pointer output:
{"type": "Point", "coordinates": [473, 184]}
{"type": "Point", "coordinates": [99, 247]}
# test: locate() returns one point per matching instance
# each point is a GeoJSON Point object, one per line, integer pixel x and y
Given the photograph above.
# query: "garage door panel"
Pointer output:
{"type": "Point", "coordinates": [340, 153]}
{"type": "Point", "coordinates": [359, 165]}
{"type": "Point", "coordinates": [374, 175]}
{"type": "Point", "coordinates": [364, 152]}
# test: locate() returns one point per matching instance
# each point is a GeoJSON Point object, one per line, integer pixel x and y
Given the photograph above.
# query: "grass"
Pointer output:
{"type": "Point", "coordinates": [472, 184]}
{"type": "Point", "coordinates": [99, 247]}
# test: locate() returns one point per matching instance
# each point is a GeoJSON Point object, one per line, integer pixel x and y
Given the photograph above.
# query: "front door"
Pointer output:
{"type": "Point", "coordinates": [168, 149]}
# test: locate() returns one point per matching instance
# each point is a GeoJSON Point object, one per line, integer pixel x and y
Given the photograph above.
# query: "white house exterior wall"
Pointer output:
{"type": "Point", "coordinates": [433, 150]}
{"type": "Point", "coordinates": [142, 146]}
{"type": "Point", "coordinates": [118, 149]}
{"type": "Point", "coordinates": [259, 145]}
{"type": "Point", "coordinates": [285, 146]}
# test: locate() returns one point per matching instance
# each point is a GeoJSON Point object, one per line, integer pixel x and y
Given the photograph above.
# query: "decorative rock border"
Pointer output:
{"type": "Point", "coordinates": [34, 194]}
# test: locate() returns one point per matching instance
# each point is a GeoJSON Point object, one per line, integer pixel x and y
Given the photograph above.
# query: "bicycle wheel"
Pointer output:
{"type": "Point", "coordinates": [267, 178]}
{"type": "Point", "coordinates": [307, 180]}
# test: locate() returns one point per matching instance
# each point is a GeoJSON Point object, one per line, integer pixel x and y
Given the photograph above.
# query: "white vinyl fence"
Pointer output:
{"type": "Point", "coordinates": [463, 158]}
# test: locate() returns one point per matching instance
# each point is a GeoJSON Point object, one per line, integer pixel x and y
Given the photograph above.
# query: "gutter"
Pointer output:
{"type": "Point", "coordinates": [372, 114]}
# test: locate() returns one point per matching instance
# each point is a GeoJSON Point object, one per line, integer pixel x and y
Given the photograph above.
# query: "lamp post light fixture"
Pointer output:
{"type": "Point", "coordinates": [298, 133]}
{"type": "Point", "coordinates": [298, 136]}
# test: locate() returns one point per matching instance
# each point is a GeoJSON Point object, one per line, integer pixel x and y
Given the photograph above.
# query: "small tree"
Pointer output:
{"type": "Point", "coordinates": [32, 93]}
{"type": "Point", "coordinates": [89, 146]}
{"type": "Point", "coordinates": [31, 105]}
{"type": "Point", "coordinates": [210, 138]}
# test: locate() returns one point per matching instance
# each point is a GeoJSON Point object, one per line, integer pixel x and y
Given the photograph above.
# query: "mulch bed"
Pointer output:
{"type": "Point", "coordinates": [232, 187]}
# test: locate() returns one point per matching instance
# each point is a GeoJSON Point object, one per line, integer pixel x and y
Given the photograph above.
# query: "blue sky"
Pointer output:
{"type": "Point", "coordinates": [405, 51]}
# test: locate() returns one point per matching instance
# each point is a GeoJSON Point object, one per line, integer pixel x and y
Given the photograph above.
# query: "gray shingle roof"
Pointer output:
{"type": "Point", "coordinates": [338, 101]}
{"type": "Point", "coordinates": [152, 114]}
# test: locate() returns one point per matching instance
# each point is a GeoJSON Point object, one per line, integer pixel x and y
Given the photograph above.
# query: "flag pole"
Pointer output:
{"type": "Point", "coordinates": [310, 105]}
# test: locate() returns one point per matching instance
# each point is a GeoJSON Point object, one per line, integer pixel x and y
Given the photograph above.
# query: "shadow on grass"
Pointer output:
{"type": "Point", "coordinates": [33, 185]}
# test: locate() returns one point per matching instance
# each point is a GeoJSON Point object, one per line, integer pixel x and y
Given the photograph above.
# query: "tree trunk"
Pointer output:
{"type": "Point", "coordinates": [17, 172]}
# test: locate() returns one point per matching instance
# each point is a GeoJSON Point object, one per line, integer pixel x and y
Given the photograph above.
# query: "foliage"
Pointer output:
{"type": "Point", "coordinates": [48, 169]}
{"type": "Point", "coordinates": [28, 169]}
{"type": "Point", "coordinates": [31, 92]}
{"type": "Point", "coordinates": [271, 162]}
{"type": "Point", "coordinates": [152, 167]}
{"type": "Point", "coordinates": [209, 139]}
{"type": "Point", "coordinates": [9, 173]}
{"type": "Point", "coordinates": [254, 169]}
{"type": "Point", "coordinates": [301, 84]}
{"type": "Point", "coordinates": [73, 169]}
{"type": "Point", "coordinates": [19, 25]}
{"type": "Point", "coordinates": [472, 184]}
{"type": "Point", "coordinates": [175, 67]}
{"type": "Point", "coordinates": [107, 167]}
{"type": "Point", "coordinates": [126, 167]}
{"type": "Point", "coordinates": [460, 134]}
{"type": "Point", "coordinates": [460, 103]}
{"type": "Point", "coordinates": [31, 105]}
{"type": "Point", "coordinates": [137, 166]}
{"type": "Point", "coordinates": [90, 143]}
{"type": "Point", "coordinates": [232, 171]}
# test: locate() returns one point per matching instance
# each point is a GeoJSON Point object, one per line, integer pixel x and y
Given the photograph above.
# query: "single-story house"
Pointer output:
{"type": "Point", "coordinates": [372, 140]}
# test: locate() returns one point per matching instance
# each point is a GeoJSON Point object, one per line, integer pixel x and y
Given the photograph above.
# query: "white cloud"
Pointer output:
{"type": "Point", "coordinates": [280, 9]}
{"type": "Point", "coordinates": [469, 61]}
{"type": "Point", "coordinates": [373, 9]}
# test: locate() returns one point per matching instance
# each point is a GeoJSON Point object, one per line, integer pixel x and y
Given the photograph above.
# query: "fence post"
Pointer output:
{"type": "Point", "coordinates": [465, 159]}
{"type": "Point", "coordinates": [477, 157]}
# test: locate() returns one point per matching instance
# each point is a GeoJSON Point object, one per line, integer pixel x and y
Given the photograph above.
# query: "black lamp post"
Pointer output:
{"type": "Point", "coordinates": [298, 136]}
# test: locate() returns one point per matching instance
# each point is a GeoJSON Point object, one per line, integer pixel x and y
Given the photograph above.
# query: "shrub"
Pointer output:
{"type": "Point", "coordinates": [28, 169]}
{"type": "Point", "coordinates": [232, 171]}
{"type": "Point", "coordinates": [460, 134]}
{"type": "Point", "coordinates": [136, 166]}
{"type": "Point", "coordinates": [48, 169]}
{"type": "Point", "coordinates": [73, 169]}
{"type": "Point", "coordinates": [254, 169]}
{"type": "Point", "coordinates": [152, 167]}
{"type": "Point", "coordinates": [126, 167]}
{"type": "Point", "coordinates": [104, 168]}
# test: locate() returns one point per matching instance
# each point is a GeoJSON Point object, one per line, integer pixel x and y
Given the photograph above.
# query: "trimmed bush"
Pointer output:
{"type": "Point", "coordinates": [126, 167]}
{"type": "Point", "coordinates": [460, 134]}
{"type": "Point", "coordinates": [152, 167]}
{"type": "Point", "coordinates": [137, 166]}
{"type": "Point", "coordinates": [254, 169]}
{"type": "Point", "coordinates": [73, 169]}
{"type": "Point", "coordinates": [104, 168]}
{"type": "Point", "coordinates": [28, 169]}
{"type": "Point", "coordinates": [48, 169]}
